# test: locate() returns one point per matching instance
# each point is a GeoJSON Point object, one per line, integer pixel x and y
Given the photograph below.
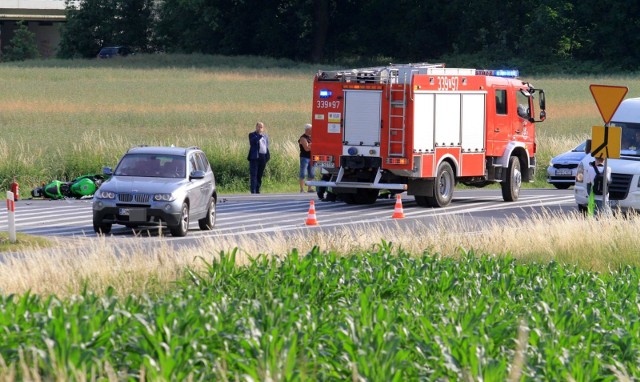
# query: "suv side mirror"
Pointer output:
{"type": "Point", "coordinates": [107, 171]}
{"type": "Point", "coordinates": [197, 174]}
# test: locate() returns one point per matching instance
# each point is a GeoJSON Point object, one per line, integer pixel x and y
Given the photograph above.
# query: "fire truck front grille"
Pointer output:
{"type": "Point", "coordinates": [138, 198]}
{"type": "Point", "coordinates": [619, 188]}
{"type": "Point", "coordinates": [567, 165]}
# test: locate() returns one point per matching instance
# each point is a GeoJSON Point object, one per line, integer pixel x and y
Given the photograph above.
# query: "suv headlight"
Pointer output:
{"type": "Point", "coordinates": [163, 198]}
{"type": "Point", "coordinates": [106, 195]}
{"type": "Point", "coordinates": [580, 173]}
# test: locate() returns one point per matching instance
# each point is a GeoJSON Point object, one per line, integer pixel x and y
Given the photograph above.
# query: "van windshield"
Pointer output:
{"type": "Point", "coordinates": [630, 140]}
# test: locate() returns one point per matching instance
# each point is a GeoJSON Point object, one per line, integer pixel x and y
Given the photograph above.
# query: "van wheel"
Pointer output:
{"type": "Point", "coordinates": [207, 222]}
{"type": "Point", "coordinates": [511, 184]}
{"type": "Point", "coordinates": [443, 186]}
{"type": "Point", "coordinates": [183, 225]}
{"type": "Point", "coordinates": [582, 209]}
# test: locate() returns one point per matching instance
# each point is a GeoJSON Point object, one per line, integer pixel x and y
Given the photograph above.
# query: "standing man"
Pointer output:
{"type": "Point", "coordinates": [595, 179]}
{"type": "Point", "coordinates": [305, 158]}
{"type": "Point", "coordinates": [258, 156]}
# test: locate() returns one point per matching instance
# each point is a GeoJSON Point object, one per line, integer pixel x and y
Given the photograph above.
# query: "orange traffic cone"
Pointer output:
{"type": "Point", "coordinates": [311, 217]}
{"type": "Point", "coordinates": [398, 212]}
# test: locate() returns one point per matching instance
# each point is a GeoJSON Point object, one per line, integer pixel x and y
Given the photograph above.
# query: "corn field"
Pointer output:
{"type": "Point", "coordinates": [376, 315]}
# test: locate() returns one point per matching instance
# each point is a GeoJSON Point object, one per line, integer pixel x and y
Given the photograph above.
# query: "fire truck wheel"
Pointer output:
{"type": "Point", "coordinates": [511, 184]}
{"type": "Point", "coordinates": [348, 198]}
{"type": "Point", "coordinates": [442, 186]}
{"type": "Point", "coordinates": [422, 201]}
{"type": "Point", "coordinates": [366, 196]}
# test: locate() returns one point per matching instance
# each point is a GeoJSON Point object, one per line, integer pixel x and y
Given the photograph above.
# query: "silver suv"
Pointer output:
{"type": "Point", "coordinates": [154, 186]}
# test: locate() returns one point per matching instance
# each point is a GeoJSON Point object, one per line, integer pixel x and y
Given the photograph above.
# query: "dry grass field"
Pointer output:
{"type": "Point", "coordinates": [68, 267]}
{"type": "Point", "coordinates": [66, 119]}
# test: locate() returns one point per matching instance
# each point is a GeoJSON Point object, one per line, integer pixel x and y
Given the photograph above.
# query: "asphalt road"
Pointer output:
{"type": "Point", "coordinates": [259, 214]}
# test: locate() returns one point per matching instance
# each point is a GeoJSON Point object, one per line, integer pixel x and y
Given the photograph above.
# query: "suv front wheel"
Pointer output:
{"type": "Point", "coordinates": [183, 225]}
{"type": "Point", "coordinates": [207, 222]}
{"type": "Point", "coordinates": [101, 228]}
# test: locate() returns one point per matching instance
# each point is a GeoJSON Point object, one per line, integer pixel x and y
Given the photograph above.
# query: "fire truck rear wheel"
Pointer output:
{"type": "Point", "coordinates": [443, 186]}
{"type": "Point", "coordinates": [513, 181]}
{"type": "Point", "coordinates": [348, 198]}
{"type": "Point", "coordinates": [366, 196]}
{"type": "Point", "coordinates": [362, 196]}
{"type": "Point", "coordinates": [422, 201]}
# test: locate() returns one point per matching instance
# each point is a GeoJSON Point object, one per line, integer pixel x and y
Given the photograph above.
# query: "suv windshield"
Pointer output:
{"type": "Point", "coordinates": [152, 165]}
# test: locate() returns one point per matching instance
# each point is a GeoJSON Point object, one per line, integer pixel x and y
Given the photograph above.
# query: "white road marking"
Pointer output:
{"type": "Point", "coordinates": [270, 213]}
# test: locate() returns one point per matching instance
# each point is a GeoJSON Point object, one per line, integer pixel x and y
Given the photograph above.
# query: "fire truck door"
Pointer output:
{"type": "Point", "coordinates": [499, 131]}
{"type": "Point", "coordinates": [362, 117]}
{"type": "Point", "coordinates": [521, 125]}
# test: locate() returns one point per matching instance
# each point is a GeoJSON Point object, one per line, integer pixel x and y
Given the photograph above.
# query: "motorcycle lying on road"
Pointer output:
{"type": "Point", "coordinates": [85, 185]}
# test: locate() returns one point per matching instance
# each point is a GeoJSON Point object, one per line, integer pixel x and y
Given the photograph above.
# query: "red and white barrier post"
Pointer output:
{"type": "Point", "coordinates": [11, 208]}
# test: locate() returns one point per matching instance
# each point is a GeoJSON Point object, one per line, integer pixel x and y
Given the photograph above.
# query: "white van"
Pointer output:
{"type": "Point", "coordinates": [624, 191]}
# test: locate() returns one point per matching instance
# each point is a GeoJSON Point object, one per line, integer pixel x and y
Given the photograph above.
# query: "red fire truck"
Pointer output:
{"type": "Point", "coordinates": [422, 128]}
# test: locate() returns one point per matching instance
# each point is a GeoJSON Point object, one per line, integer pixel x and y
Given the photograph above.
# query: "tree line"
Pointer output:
{"type": "Point", "coordinates": [589, 34]}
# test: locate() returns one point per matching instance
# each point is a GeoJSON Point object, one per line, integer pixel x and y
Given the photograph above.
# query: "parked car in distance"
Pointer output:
{"type": "Point", "coordinates": [114, 51]}
{"type": "Point", "coordinates": [157, 186]}
{"type": "Point", "coordinates": [562, 169]}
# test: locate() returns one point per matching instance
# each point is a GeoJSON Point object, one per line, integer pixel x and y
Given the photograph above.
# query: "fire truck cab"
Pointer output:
{"type": "Point", "coordinates": [422, 128]}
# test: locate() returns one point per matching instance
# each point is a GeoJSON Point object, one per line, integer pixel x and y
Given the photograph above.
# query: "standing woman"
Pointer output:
{"type": "Point", "coordinates": [258, 156]}
{"type": "Point", "coordinates": [305, 158]}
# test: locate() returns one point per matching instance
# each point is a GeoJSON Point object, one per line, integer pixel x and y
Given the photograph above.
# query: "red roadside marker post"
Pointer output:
{"type": "Point", "coordinates": [11, 216]}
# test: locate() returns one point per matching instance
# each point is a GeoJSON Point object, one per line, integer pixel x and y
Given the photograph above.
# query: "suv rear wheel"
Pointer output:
{"type": "Point", "coordinates": [183, 225]}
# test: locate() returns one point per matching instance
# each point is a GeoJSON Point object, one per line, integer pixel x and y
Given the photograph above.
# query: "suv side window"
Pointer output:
{"type": "Point", "coordinates": [203, 162]}
{"type": "Point", "coordinates": [193, 163]}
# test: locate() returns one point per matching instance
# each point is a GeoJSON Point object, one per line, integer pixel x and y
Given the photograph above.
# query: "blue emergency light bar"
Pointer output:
{"type": "Point", "coordinates": [324, 93]}
{"type": "Point", "coordinates": [507, 73]}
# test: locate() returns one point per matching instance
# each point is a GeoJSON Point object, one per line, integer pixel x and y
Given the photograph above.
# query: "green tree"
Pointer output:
{"type": "Point", "coordinates": [479, 33]}
{"type": "Point", "coordinates": [22, 45]}
{"type": "Point", "coordinates": [189, 26]}
{"type": "Point", "coordinates": [97, 23]}
{"type": "Point", "coordinates": [276, 28]}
